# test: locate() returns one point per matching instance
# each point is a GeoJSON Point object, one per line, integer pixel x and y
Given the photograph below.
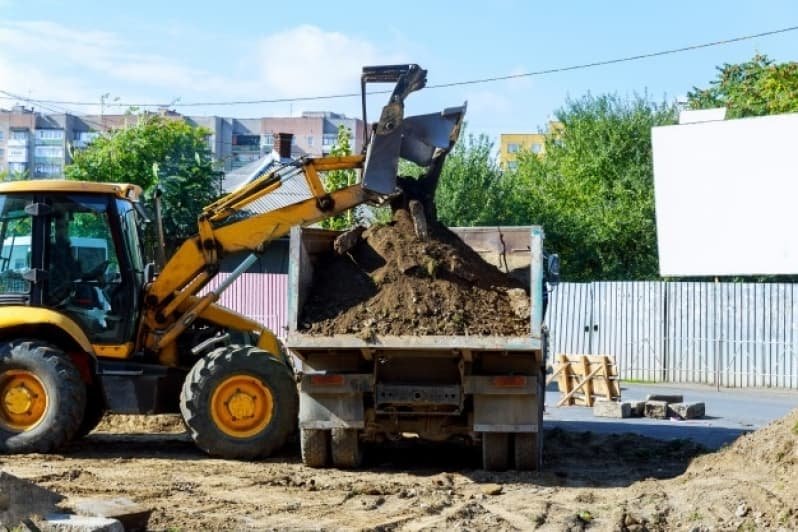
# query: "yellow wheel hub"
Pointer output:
{"type": "Point", "coordinates": [242, 406]}
{"type": "Point", "coordinates": [23, 400]}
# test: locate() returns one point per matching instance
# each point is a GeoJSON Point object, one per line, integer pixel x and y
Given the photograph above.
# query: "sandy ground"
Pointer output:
{"type": "Point", "coordinates": [601, 482]}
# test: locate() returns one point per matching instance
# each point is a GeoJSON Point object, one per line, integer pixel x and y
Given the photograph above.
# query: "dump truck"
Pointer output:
{"type": "Point", "coordinates": [156, 342]}
{"type": "Point", "coordinates": [486, 390]}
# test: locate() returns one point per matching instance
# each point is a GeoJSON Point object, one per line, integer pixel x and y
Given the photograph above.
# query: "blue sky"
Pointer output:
{"type": "Point", "coordinates": [157, 51]}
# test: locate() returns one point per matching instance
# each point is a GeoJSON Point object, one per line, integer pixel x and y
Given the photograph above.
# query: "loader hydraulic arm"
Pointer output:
{"type": "Point", "coordinates": [229, 225]}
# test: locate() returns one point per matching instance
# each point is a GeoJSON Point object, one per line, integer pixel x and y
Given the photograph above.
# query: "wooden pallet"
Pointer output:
{"type": "Point", "coordinates": [582, 378]}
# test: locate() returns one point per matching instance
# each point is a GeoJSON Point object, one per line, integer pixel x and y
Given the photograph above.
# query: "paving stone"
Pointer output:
{"type": "Point", "coordinates": [638, 408]}
{"type": "Point", "coordinates": [668, 398]}
{"type": "Point", "coordinates": [132, 516]}
{"type": "Point", "coordinates": [611, 409]}
{"type": "Point", "coordinates": [688, 410]}
{"type": "Point", "coordinates": [656, 409]}
{"type": "Point", "coordinates": [80, 523]}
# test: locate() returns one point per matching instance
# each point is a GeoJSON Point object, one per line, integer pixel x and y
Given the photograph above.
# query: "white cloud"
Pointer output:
{"type": "Point", "coordinates": [308, 61]}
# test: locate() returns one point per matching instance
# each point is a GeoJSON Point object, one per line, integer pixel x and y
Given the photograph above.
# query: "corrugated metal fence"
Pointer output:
{"type": "Point", "coordinates": [727, 334]}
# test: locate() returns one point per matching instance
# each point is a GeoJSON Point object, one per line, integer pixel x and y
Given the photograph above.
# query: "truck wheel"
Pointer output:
{"type": "Point", "coordinates": [346, 450]}
{"type": "Point", "coordinates": [495, 451]}
{"type": "Point", "coordinates": [315, 445]}
{"type": "Point", "coordinates": [94, 411]}
{"type": "Point", "coordinates": [239, 402]}
{"type": "Point", "coordinates": [41, 397]}
{"type": "Point", "coordinates": [528, 451]}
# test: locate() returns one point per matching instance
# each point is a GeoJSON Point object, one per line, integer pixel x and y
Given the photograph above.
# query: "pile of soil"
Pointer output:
{"type": "Point", "coordinates": [392, 282]}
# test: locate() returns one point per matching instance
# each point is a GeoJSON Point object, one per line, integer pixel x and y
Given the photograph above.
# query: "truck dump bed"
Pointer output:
{"type": "Point", "coordinates": [483, 389]}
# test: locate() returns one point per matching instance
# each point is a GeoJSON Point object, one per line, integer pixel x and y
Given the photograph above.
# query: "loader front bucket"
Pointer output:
{"type": "Point", "coordinates": [415, 138]}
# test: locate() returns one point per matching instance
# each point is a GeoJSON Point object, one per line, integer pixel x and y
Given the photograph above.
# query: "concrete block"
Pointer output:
{"type": "Point", "coordinates": [132, 516]}
{"type": "Point", "coordinates": [688, 410]}
{"type": "Point", "coordinates": [611, 409]}
{"type": "Point", "coordinates": [638, 408]}
{"type": "Point", "coordinates": [656, 409]}
{"type": "Point", "coordinates": [80, 523]}
{"type": "Point", "coordinates": [668, 398]}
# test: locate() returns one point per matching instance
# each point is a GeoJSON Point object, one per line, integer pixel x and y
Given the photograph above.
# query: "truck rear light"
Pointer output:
{"type": "Point", "coordinates": [510, 381]}
{"type": "Point", "coordinates": [327, 380]}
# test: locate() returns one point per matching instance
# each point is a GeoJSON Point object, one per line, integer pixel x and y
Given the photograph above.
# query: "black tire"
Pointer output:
{"type": "Point", "coordinates": [495, 451]}
{"type": "Point", "coordinates": [315, 446]}
{"type": "Point", "coordinates": [94, 411]}
{"type": "Point", "coordinates": [65, 396]}
{"type": "Point", "coordinates": [347, 453]}
{"type": "Point", "coordinates": [249, 364]}
{"type": "Point", "coordinates": [528, 451]}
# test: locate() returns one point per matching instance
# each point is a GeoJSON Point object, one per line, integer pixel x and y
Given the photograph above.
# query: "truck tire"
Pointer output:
{"type": "Point", "coordinates": [239, 402]}
{"type": "Point", "coordinates": [495, 451]}
{"type": "Point", "coordinates": [94, 411]}
{"type": "Point", "coordinates": [528, 451]}
{"type": "Point", "coordinates": [42, 397]}
{"type": "Point", "coordinates": [315, 446]}
{"type": "Point", "coordinates": [347, 452]}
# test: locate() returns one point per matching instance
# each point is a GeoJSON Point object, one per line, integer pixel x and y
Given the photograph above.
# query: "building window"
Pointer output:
{"type": "Point", "coordinates": [49, 134]}
{"type": "Point", "coordinates": [2, 152]}
{"type": "Point", "coordinates": [17, 167]}
{"type": "Point", "coordinates": [329, 139]}
{"type": "Point", "coordinates": [47, 170]}
{"type": "Point", "coordinates": [536, 147]}
{"type": "Point", "coordinates": [49, 152]}
{"type": "Point", "coordinates": [512, 165]}
{"type": "Point", "coordinates": [310, 141]}
{"type": "Point", "coordinates": [84, 138]}
{"type": "Point", "coordinates": [267, 140]}
{"type": "Point", "coordinates": [1, 135]}
{"type": "Point", "coordinates": [19, 135]}
{"type": "Point", "coordinates": [512, 147]}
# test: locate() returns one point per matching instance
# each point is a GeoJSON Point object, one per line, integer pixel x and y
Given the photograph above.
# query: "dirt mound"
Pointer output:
{"type": "Point", "coordinates": [394, 283]}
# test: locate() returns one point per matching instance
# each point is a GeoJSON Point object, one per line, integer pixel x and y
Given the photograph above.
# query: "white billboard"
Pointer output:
{"type": "Point", "coordinates": [727, 197]}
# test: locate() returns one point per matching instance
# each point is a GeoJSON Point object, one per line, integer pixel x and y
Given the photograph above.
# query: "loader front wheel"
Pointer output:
{"type": "Point", "coordinates": [239, 402]}
{"type": "Point", "coordinates": [42, 397]}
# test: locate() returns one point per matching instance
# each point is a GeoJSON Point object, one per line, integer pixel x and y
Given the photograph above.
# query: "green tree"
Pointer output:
{"type": "Point", "coordinates": [156, 152]}
{"type": "Point", "coordinates": [755, 88]}
{"type": "Point", "coordinates": [338, 179]}
{"type": "Point", "coordinates": [471, 189]}
{"type": "Point", "coordinates": [592, 191]}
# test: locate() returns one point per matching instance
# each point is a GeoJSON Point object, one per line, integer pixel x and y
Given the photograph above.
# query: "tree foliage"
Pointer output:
{"type": "Point", "coordinates": [755, 88]}
{"type": "Point", "coordinates": [593, 191]}
{"type": "Point", "coordinates": [156, 152]}
{"type": "Point", "coordinates": [470, 189]}
{"type": "Point", "coordinates": [338, 179]}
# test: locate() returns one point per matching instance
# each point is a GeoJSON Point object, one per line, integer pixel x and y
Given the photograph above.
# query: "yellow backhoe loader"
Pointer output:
{"type": "Point", "coordinates": [87, 327]}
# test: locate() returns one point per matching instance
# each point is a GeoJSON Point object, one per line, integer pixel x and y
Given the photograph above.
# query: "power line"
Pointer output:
{"type": "Point", "coordinates": [544, 72]}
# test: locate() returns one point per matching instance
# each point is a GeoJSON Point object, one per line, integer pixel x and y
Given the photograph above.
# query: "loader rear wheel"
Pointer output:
{"type": "Point", "coordinates": [239, 402]}
{"type": "Point", "coordinates": [347, 452]}
{"type": "Point", "coordinates": [495, 451]}
{"type": "Point", "coordinates": [528, 451]}
{"type": "Point", "coordinates": [42, 397]}
{"type": "Point", "coordinates": [315, 445]}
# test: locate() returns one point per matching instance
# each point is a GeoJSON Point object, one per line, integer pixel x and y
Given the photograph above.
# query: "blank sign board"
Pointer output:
{"type": "Point", "coordinates": [727, 197]}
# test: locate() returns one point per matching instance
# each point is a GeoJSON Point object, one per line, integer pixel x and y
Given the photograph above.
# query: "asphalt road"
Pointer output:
{"type": "Point", "coordinates": [729, 413]}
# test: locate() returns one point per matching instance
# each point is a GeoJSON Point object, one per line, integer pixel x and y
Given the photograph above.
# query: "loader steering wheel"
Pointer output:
{"type": "Point", "coordinates": [97, 273]}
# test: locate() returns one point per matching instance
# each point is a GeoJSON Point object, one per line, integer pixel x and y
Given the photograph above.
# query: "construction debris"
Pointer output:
{"type": "Point", "coordinates": [616, 409]}
{"type": "Point", "coordinates": [688, 410]}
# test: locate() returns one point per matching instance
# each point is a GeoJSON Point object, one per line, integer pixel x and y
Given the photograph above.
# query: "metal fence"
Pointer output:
{"type": "Point", "coordinates": [725, 334]}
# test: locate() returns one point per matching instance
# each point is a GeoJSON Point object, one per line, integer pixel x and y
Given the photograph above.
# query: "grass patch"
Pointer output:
{"type": "Point", "coordinates": [638, 381]}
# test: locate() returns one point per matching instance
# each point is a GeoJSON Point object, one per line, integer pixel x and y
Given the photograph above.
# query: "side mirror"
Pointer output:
{"type": "Point", "coordinates": [553, 269]}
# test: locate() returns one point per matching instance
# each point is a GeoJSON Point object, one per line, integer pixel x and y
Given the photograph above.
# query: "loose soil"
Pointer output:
{"type": "Point", "coordinates": [394, 283]}
{"type": "Point", "coordinates": [601, 482]}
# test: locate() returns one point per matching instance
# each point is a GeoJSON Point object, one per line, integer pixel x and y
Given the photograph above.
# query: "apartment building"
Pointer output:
{"type": "Point", "coordinates": [40, 145]}
{"type": "Point", "coordinates": [512, 144]}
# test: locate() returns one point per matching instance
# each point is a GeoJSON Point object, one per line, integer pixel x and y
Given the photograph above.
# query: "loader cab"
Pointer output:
{"type": "Point", "coordinates": [75, 250]}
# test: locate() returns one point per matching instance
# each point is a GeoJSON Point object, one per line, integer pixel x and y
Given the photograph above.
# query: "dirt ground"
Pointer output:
{"type": "Point", "coordinates": [614, 482]}
{"type": "Point", "coordinates": [393, 283]}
